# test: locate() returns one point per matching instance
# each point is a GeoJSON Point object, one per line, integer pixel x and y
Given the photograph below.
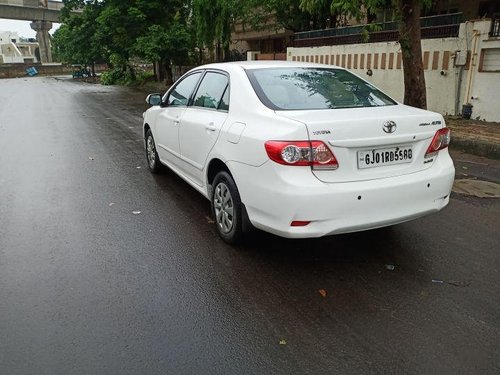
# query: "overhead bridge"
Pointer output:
{"type": "Point", "coordinates": [31, 10]}
{"type": "Point", "coordinates": [41, 13]}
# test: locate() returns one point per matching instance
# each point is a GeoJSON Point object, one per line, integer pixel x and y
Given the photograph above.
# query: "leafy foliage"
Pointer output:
{"type": "Point", "coordinates": [117, 30]}
{"type": "Point", "coordinates": [168, 33]}
{"type": "Point", "coordinates": [76, 40]}
{"type": "Point", "coordinates": [213, 21]}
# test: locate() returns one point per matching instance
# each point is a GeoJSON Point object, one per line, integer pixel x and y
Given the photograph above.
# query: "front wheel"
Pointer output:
{"type": "Point", "coordinates": [226, 208]}
{"type": "Point", "coordinates": [152, 157]}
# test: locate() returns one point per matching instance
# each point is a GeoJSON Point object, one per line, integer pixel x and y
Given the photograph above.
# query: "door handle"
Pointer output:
{"type": "Point", "coordinates": [211, 127]}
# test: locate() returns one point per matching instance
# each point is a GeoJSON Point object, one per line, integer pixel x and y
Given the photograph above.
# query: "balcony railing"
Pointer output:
{"type": "Point", "coordinates": [495, 27]}
{"type": "Point", "coordinates": [440, 26]}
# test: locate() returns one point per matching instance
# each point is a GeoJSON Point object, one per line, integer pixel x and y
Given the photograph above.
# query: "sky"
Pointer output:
{"type": "Point", "coordinates": [21, 27]}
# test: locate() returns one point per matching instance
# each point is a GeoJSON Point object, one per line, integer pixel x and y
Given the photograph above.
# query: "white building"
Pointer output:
{"type": "Point", "coordinates": [15, 51]}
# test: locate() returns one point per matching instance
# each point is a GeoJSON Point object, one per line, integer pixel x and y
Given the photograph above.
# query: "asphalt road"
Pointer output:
{"type": "Point", "coordinates": [89, 287]}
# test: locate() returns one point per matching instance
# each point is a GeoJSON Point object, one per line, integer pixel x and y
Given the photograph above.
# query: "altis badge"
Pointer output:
{"type": "Point", "coordinates": [437, 122]}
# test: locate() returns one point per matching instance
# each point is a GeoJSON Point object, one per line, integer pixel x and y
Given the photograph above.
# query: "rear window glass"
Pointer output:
{"type": "Point", "coordinates": [314, 88]}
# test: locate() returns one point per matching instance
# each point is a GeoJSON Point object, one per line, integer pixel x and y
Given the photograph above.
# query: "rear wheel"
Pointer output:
{"type": "Point", "coordinates": [226, 208]}
{"type": "Point", "coordinates": [152, 157]}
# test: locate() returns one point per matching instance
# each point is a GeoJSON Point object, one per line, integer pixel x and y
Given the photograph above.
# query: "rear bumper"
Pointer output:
{"type": "Point", "coordinates": [276, 195]}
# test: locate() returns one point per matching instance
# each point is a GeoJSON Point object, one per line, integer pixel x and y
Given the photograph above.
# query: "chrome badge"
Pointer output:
{"type": "Point", "coordinates": [389, 126]}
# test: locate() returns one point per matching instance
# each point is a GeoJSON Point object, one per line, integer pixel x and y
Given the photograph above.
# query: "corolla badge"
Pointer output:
{"type": "Point", "coordinates": [389, 126]}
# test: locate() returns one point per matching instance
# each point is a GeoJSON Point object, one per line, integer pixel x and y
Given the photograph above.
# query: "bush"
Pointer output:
{"type": "Point", "coordinates": [128, 77]}
{"type": "Point", "coordinates": [146, 76]}
{"type": "Point", "coordinates": [111, 77]}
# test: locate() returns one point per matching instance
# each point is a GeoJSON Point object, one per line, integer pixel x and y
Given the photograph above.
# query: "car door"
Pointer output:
{"type": "Point", "coordinates": [201, 123]}
{"type": "Point", "coordinates": [167, 122]}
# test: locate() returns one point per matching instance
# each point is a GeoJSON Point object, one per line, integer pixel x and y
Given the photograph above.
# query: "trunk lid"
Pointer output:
{"type": "Point", "coordinates": [364, 150]}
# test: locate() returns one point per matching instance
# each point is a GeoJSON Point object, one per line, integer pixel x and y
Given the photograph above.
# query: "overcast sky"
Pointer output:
{"type": "Point", "coordinates": [21, 27]}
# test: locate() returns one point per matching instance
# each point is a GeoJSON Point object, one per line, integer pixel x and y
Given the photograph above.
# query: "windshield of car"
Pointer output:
{"type": "Point", "coordinates": [314, 88]}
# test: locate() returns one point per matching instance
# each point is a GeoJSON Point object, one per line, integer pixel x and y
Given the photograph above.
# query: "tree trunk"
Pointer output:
{"type": "Point", "coordinates": [160, 70]}
{"type": "Point", "coordinates": [218, 52]}
{"type": "Point", "coordinates": [411, 49]}
{"type": "Point", "coordinates": [169, 77]}
{"type": "Point", "coordinates": [156, 71]}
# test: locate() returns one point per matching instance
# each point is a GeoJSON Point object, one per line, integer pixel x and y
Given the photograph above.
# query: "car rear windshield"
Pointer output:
{"type": "Point", "coordinates": [314, 88]}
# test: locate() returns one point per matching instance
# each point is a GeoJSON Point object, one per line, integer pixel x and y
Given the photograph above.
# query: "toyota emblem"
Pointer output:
{"type": "Point", "coordinates": [389, 126]}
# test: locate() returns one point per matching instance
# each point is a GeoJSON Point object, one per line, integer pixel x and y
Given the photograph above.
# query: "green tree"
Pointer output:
{"type": "Point", "coordinates": [75, 41]}
{"type": "Point", "coordinates": [289, 14]}
{"type": "Point", "coordinates": [165, 46]}
{"type": "Point", "coordinates": [322, 13]}
{"type": "Point", "coordinates": [213, 21]}
{"type": "Point", "coordinates": [168, 38]}
{"type": "Point", "coordinates": [119, 24]}
{"type": "Point", "coordinates": [155, 30]}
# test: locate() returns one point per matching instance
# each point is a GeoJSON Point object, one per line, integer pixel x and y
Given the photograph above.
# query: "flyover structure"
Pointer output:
{"type": "Point", "coordinates": [41, 13]}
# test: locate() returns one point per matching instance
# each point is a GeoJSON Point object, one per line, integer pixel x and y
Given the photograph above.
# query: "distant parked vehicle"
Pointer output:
{"type": "Point", "coordinates": [80, 71]}
{"type": "Point", "coordinates": [298, 149]}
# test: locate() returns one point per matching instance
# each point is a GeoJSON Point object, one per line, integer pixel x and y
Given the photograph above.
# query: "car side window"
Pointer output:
{"type": "Point", "coordinates": [211, 92]}
{"type": "Point", "coordinates": [180, 94]}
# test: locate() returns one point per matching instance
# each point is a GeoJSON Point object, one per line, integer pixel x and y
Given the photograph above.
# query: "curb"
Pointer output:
{"type": "Point", "coordinates": [476, 147]}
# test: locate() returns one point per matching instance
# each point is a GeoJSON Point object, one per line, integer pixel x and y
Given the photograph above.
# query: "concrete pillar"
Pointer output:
{"type": "Point", "coordinates": [42, 36]}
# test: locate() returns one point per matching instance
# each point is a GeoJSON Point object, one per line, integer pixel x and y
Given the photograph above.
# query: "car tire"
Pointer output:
{"type": "Point", "coordinates": [152, 157]}
{"type": "Point", "coordinates": [226, 208]}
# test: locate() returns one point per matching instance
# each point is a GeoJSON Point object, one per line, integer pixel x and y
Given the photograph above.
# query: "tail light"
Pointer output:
{"type": "Point", "coordinates": [299, 223]}
{"type": "Point", "coordinates": [302, 153]}
{"type": "Point", "coordinates": [441, 140]}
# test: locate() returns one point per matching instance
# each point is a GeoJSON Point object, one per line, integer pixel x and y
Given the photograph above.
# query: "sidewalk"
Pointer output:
{"type": "Point", "coordinates": [475, 137]}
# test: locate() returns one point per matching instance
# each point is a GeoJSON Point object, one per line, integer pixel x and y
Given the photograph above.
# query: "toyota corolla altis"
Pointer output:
{"type": "Point", "coordinates": [298, 149]}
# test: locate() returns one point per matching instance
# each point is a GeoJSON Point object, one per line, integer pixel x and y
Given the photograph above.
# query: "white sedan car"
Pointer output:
{"type": "Point", "coordinates": [298, 149]}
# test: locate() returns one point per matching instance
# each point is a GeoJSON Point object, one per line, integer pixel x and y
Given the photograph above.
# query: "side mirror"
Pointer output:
{"type": "Point", "coordinates": [153, 99]}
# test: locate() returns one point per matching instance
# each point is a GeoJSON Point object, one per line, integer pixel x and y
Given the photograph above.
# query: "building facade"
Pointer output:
{"type": "Point", "coordinates": [14, 50]}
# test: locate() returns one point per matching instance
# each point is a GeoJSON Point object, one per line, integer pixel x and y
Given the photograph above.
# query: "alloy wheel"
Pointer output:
{"type": "Point", "coordinates": [224, 208]}
{"type": "Point", "coordinates": [151, 152]}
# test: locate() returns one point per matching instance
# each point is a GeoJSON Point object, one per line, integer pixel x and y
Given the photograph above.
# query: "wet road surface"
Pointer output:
{"type": "Point", "coordinates": [89, 287]}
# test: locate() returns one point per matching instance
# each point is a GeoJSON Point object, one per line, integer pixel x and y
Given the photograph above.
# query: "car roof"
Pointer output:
{"type": "Point", "coordinates": [266, 64]}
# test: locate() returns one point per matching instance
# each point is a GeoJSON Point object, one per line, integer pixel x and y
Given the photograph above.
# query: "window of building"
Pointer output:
{"type": "Point", "coordinates": [489, 60]}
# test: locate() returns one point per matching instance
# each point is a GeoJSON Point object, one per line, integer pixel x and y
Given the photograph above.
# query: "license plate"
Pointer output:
{"type": "Point", "coordinates": [384, 156]}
